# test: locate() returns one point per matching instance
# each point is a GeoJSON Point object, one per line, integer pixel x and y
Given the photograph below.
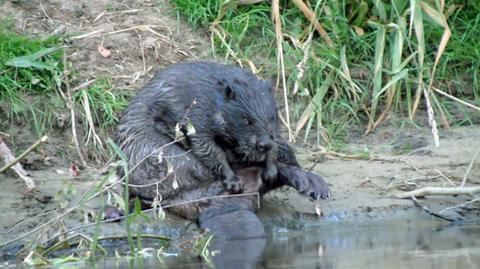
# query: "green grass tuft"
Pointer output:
{"type": "Point", "coordinates": [376, 65]}
{"type": "Point", "coordinates": [30, 72]}
{"type": "Point", "coordinates": [31, 82]}
{"type": "Point", "coordinates": [16, 82]}
{"type": "Point", "coordinates": [103, 101]}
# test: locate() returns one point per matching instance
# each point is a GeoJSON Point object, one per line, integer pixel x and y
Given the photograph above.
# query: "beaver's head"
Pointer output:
{"type": "Point", "coordinates": [247, 118]}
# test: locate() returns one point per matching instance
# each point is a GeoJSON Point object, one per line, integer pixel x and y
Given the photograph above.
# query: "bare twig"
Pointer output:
{"type": "Point", "coordinates": [29, 219]}
{"type": "Point", "coordinates": [456, 99]}
{"type": "Point", "coordinates": [21, 156]}
{"type": "Point", "coordinates": [153, 209]}
{"type": "Point", "coordinates": [438, 191]}
{"type": "Point", "coordinates": [99, 16]}
{"type": "Point", "coordinates": [12, 162]}
{"type": "Point", "coordinates": [70, 105]}
{"type": "Point", "coordinates": [470, 167]}
{"type": "Point", "coordinates": [84, 197]}
{"type": "Point", "coordinates": [44, 12]}
{"type": "Point", "coordinates": [83, 85]}
{"type": "Point", "coordinates": [91, 34]}
{"type": "Point", "coordinates": [460, 205]}
{"type": "Point", "coordinates": [446, 178]}
{"type": "Point", "coordinates": [413, 166]}
{"type": "Point", "coordinates": [411, 181]}
{"type": "Point", "coordinates": [426, 209]}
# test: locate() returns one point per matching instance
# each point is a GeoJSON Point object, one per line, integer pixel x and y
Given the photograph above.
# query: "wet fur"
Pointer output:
{"type": "Point", "coordinates": [229, 108]}
{"type": "Point", "coordinates": [146, 139]}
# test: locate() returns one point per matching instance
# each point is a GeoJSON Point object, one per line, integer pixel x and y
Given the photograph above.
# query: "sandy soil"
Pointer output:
{"type": "Point", "coordinates": [143, 36]}
{"type": "Point", "coordinates": [401, 159]}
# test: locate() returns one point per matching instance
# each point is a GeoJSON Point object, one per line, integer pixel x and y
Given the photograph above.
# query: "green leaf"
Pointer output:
{"type": "Point", "coordinates": [190, 128]}
{"type": "Point", "coordinates": [119, 201]}
{"type": "Point", "coordinates": [419, 31]}
{"type": "Point", "coordinates": [20, 62]}
{"type": "Point", "coordinates": [137, 212]}
{"type": "Point", "coordinates": [378, 69]}
{"type": "Point", "coordinates": [31, 60]}
{"type": "Point", "coordinates": [392, 82]}
{"type": "Point", "coordinates": [315, 103]}
{"type": "Point", "coordinates": [381, 10]}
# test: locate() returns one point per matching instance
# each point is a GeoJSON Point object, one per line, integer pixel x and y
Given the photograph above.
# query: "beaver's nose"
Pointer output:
{"type": "Point", "coordinates": [264, 145]}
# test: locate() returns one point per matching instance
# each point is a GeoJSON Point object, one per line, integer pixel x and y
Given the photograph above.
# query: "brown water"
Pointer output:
{"type": "Point", "coordinates": [400, 242]}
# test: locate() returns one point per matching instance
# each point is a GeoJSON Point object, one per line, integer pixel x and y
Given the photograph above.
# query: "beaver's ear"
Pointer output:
{"type": "Point", "coordinates": [227, 89]}
{"type": "Point", "coordinates": [229, 93]}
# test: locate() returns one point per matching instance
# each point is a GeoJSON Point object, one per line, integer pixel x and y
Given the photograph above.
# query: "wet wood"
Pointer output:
{"type": "Point", "coordinates": [12, 162]}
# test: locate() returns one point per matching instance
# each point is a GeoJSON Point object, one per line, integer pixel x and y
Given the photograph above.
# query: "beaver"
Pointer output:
{"type": "Point", "coordinates": [163, 169]}
{"type": "Point", "coordinates": [218, 108]}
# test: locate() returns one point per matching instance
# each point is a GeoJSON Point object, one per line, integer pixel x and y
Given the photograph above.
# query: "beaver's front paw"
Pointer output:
{"type": "Point", "coordinates": [233, 184]}
{"type": "Point", "coordinates": [307, 183]}
{"type": "Point", "coordinates": [315, 186]}
{"type": "Point", "coordinates": [269, 174]}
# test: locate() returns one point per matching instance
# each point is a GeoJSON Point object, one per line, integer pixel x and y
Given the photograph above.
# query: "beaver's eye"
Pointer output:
{"type": "Point", "coordinates": [247, 121]}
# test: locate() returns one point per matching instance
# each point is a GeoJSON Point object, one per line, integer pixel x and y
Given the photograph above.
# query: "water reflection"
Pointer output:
{"type": "Point", "coordinates": [413, 242]}
{"type": "Point", "coordinates": [394, 243]}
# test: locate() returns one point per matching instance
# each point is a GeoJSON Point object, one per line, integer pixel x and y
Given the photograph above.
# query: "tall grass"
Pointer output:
{"type": "Point", "coordinates": [32, 89]}
{"type": "Point", "coordinates": [27, 67]}
{"type": "Point", "coordinates": [387, 56]}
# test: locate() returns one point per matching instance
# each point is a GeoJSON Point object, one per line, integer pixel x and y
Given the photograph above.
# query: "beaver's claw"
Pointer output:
{"type": "Point", "coordinates": [233, 184]}
{"type": "Point", "coordinates": [306, 183]}
{"type": "Point", "coordinates": [270, 174]}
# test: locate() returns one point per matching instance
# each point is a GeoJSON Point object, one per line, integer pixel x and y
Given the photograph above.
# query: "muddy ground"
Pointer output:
{"type": "Point", "coordinates": [146, 35]}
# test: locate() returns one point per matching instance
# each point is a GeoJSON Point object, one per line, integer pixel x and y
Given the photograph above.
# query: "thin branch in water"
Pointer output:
{"type": "Point", "coordinates": [28, 220]}
{"type": "Point", "coordinates": [426, 209]}
{"type": "Point", "coordinates": [460, 205]}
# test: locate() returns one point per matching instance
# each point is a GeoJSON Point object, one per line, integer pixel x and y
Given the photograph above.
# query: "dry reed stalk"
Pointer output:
{"type": "Point", "coordinates": [281, 66]}
{"type": "Point", "coordinates": [308, 13]}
